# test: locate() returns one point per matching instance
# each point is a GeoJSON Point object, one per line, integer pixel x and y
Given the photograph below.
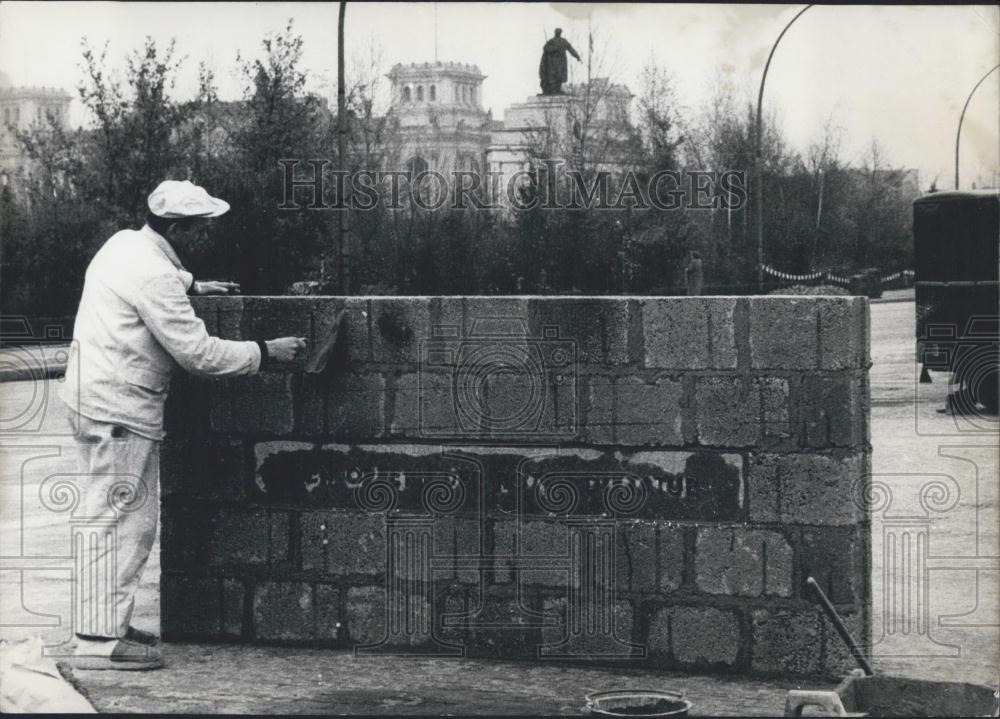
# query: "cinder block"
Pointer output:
{"type": "Point", "coordinates": [450, 620]}
{"type": "Point", "coordinates": [818, 489]}
{"type": "Point", "coordinates": [728, 411]}
{"type": "Point", "coordinates": [658, 637]}
{"type": "Point", "coordinates": [835, 558]}
{"type": "Point", "coordinates": [504, 550]}
{"type": "Point", "coordinates": [544, 539]}
{"type": "Point", "coordinates": [176, 535]}
{"type": "Point", "coordinates": [518, 543]}
{"type": "Point", "coordinates": [506, 405]}
{"type": "Point", "coordinates": [607, 633]}
{"type": "Point", "coordinates": [494, 317]}
{"type": "Point", "coordinates": [239, 537]}
{"type": "Point", "coordinates": [837, 658]}
{"type": "Point", "coordinates": [743, 562]}
{"type": "Point", "coordinates": [204, 304]}
{"type": "Point", "coordinates": [203, 467]}
{"type": "Point", "coordinates": [190, 606]}
{"type": "Point", "coordinates": [398, 327]}
{"type": "Point", "coordinates": [689, 333]}
{"type": "Point", "coordinates": [763, 487]}
{"type": "Point", "coordinates": [447, 316]}
{"type": "Point", "coordinates": [650, 557]}
{"type": "Point", "coordinates": [222, 315]}
{"type": "Point", "coordinates": [469, 544]}
{"type": "Point", "coordinates": [775, 424]}
{"type": "Point", "coordinates": [343, 543]}
{"type": "Point", "coordinates": [671, 557]}
{"type": "Point", "coordinates": [283, 611]}
{"type": "Point", "coordinates": [424, 405]}
{"type": "Point", "coordinates": [355, 406]}
{"type": "Point", "coordinates": [783, 333]}
{"type": "Point", "coordinates": [314, 538]}
{"type": "Point", "coordinates": [279, 539]}
{"type": "Point", "coordinates": [843, 332]}
{"type": "Point", "coordinates": [208, 312]}
{"type": "Point", "coordinates": [367, 623]}
{"type": "Point", "coordinates": [705, 635]}
{"type": "Point", "coordinates": [637, 557]}
{"type": "Point", "coordinates": [220, 405]}
{"type": "Point", "coordinates": [188, 406]}
{"type": "Point", "coordinates": [648, 414]}
{"type": "Point", "coordinates": [586, 324]}
{"type": "Point", "coordinates": [623, 334]}
{"type": "Point", "coordinates": [366, 615]}
{"type": "Point", "coordinates": [262, 403]}
{"type": "Point", "coordinates": [230, 317]}
{"type": "Point", "coordinates": [308, 405]}
{"type": "Point", "coordinates": [505, 627]}
{"type": "Point", "coordinates": [831, 411]}
{"type": "Point", "coordinates": [597, 409]}
{"type": "Point", "coordinates": [733, 411]}
{"type": "Point", "coordinates": [786, 642]}
{"type": "Point", "coordinates": [327, 601]}
{"type": "Point", "coordinates": [233, 594]}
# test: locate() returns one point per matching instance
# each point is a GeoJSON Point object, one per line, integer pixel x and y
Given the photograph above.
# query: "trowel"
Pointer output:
{"type": "Point", "coordinates": [321, 352]}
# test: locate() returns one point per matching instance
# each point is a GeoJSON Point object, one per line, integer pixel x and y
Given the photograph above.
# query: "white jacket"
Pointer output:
{"type": "Point", "coordinates": [134, 326]}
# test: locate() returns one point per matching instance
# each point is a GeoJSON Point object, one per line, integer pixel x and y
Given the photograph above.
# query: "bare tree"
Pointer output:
{"type": "Point", "coordinates": [822, 157]}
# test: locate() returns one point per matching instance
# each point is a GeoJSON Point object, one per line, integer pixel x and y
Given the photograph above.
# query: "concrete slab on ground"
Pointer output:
{"type": "Point", "coordinates": [204, 678]}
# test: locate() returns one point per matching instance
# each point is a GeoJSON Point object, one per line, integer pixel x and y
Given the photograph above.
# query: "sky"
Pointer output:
{"type": "Point", "coordinates": [898, 75]}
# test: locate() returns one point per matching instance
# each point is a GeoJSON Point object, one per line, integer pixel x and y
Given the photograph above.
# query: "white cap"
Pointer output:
{"type": "Point", "coordinates": [184, 199]}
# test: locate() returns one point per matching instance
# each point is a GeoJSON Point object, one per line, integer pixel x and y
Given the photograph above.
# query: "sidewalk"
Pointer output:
{"type": "Point", "coordinates": [904, 295]}
{"type": "Point", "coordinates": [33, 362]}
{"type": "Point", "coordinates": [237, 679]}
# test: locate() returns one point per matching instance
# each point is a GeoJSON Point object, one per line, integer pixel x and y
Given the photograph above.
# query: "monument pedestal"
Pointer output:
{"type": "Point", "coordinates": [552, 112]}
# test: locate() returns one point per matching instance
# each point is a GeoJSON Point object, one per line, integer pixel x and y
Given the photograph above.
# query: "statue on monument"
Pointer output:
{"type": "Point", "coordinates": [552, 69]}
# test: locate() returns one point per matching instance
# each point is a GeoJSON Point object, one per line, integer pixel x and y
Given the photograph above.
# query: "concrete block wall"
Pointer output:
{"type": "Point", "coordinates": [642, 480]}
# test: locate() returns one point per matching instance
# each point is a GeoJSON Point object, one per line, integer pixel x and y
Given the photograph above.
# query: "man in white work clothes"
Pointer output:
{"type": "Point", "coordinates": [135, 324]}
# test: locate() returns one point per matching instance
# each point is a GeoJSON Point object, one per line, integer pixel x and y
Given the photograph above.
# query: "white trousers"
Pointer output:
{"type": "Point", "coordinates": [114, 526]}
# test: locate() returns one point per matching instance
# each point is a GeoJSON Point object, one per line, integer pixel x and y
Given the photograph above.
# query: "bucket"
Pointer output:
{"type": "Point", "coordinates": [637, 702]}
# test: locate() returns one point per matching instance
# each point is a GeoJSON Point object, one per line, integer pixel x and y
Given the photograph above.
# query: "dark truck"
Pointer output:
{"type": "Point", "coordinates": [956, 236]}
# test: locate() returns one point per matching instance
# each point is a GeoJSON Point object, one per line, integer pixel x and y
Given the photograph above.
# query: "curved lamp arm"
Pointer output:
{"type": "Point", "coordinates": [758, 193]}
{"type": "Point", "coordinates": [958, 135]}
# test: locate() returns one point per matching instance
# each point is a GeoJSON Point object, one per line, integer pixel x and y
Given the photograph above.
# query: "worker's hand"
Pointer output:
{"type": "Point", "coordinates": [213, 287]}
{"type": "Point", "coordinates": [286, 349]}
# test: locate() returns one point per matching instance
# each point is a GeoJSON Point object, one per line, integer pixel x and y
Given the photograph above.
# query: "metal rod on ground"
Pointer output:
{"type": "Point", "coordinates": [838, 624]}
{"type": "Point", "coordinates": [342, 272]}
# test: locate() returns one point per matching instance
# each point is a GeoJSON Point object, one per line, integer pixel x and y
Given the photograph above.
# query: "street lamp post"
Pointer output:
{"type": "Point", "coordinates": [958, 135]}
{"type": "Point", "coordinates": [757, 170]}
{"type": "Point", "coordinates": [343, 272]}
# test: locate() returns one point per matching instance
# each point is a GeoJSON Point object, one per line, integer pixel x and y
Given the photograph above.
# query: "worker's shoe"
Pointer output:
{"type": "Point", "coordinates": [140, 637]}
{"type": "Point", "coordinates": [115, 654]}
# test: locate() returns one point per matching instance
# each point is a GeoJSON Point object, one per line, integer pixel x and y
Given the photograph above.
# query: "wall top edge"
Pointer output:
{"type": "Point", "coordinates": [587, 298]}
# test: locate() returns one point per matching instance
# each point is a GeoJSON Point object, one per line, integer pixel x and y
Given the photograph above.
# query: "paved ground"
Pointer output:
{"type": "Point", "coordinates": [955, 638]}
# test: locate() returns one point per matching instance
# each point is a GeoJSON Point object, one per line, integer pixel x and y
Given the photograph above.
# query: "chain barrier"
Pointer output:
{"type": "Point", "coordinates": [907, 275]}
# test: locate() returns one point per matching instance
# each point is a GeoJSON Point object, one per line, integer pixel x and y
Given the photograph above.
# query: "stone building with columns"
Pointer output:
{"type": "Point", "coordinates": [440, 118]}
{"type": "Point", "coordinates": [21, 109]}
{"type": "Point", "coordinates": [442, 125]}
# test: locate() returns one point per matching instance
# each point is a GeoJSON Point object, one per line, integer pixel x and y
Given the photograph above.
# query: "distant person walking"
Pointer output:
{"type": "Point", "coordinates": [134, 326]}
{"type": "Point", "coordinates": [693, 276]}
